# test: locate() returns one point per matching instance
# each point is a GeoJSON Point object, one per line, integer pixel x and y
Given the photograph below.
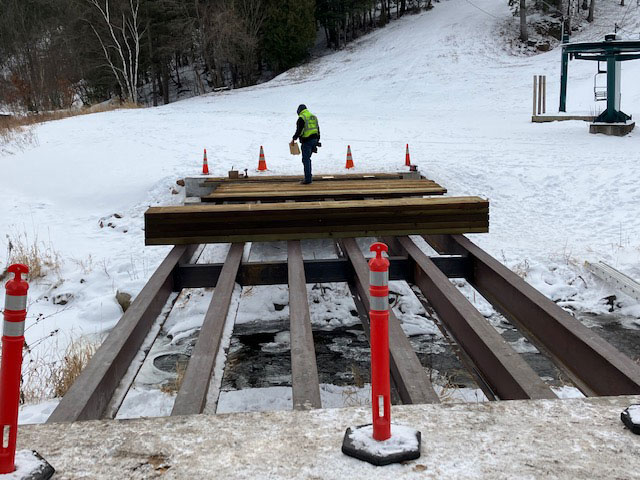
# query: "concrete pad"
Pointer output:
{"type": "Point", "coordinates": [616, 129]}
{"type": "Point", "coordinates": [196, 187]}
{"type": "Point", "coordinates": [561, 117]}
{"type": "Point", "coordinates": [566, 439]}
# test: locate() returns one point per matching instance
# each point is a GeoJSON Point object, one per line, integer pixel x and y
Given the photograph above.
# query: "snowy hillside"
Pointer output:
{"type": "Point", "coordinates": [558, 195]}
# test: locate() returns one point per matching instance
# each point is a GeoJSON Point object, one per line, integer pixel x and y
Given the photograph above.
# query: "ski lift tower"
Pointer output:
{"type": "Point", "coordinates": [612, 121]}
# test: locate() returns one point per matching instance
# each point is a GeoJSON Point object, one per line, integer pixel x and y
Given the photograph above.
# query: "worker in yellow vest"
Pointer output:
{"type": "Point", "coordinates": [308, 131]}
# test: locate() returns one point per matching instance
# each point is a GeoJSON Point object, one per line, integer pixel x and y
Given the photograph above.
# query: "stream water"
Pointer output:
{"type": "Point", "coordinates": [259, 354]}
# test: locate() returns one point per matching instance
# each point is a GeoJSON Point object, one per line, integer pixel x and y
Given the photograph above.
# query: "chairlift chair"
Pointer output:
{"type": "Point", "coordinates": [600, 90]}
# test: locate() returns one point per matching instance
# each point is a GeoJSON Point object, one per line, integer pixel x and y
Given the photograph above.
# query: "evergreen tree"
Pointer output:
{"type": "Point", "coordinates": [289, 31]}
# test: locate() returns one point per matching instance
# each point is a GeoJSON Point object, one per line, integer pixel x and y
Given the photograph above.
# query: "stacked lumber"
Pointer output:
{"type": "Point", "coordinates": [292, 221]}
{"type": "Point", "coordinates": [316, 178]}
{"type": "Point", "coordinates": [339, 190]}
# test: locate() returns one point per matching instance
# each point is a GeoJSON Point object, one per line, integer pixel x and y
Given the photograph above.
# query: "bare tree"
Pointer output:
{"type": "Point", "coordinates": [524, 35]}
{"type": "Point", "coordinates": [231, 30]}
{"type": "Point", "coordinates": [591, 8]}
{"type": "Point", "coordinates": [38, 67]}
{"type": "Point", "coordinates": [121, 45]}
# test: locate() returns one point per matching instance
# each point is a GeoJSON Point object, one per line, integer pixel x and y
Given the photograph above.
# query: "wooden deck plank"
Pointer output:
{"type": "Point", "coordinates": [239, 221]}
{"type": "Point", "coordinates": [304, 370]}
{"type": "Point", "coordinates": [311, 195]}
{"type": "Point", "coordinates": [294, 221]}
{"type": "Point", "coordinates": [192, 395]}
{"type": "Point", "coordinates": [328, 185]}
{"type": "Point", "coordinates": [398, 204]}
{"type": "Point", "coordinates": [283, 187]}
{"type": "Point", "coordinates": [277, 237]}
{"type": "Point", "coordinates": [316, 177]}
{"type": "Point", "coordinates": [239, 187]}
{"type": "Point", "coordinates": [409, 375]}
{"type": "Point", "coordinates": [319, 188]}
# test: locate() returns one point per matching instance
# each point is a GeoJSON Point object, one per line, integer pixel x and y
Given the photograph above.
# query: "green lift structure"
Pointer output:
{"type": "Point", "coordinates": [611, 52]}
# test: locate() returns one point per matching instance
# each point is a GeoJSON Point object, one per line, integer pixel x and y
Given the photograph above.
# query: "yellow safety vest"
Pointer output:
{"type": "Point", "coordinates": [310, 124]}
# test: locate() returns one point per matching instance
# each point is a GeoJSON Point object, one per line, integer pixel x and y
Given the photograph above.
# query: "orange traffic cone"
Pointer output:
{"type": "Point", "coordinates": [205, 166]}
{"type": "Point", "coordinates": [407, 160]}
{"type": "Point", "coordinates": [349, 158]}
{"type": "Point", "coordinates": [262, 164]}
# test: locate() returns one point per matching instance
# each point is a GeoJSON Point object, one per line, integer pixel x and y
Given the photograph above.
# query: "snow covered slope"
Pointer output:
{"type": "Point", "coordinates": [442, 81]}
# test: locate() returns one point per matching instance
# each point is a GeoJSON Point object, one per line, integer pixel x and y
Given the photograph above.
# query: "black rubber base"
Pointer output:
{"type": "Point", "coordinates": [43, 471]}
{"type": "Point", "coordinates": [382, 458]}
{"type": "Point", "coordinates": [626, 419]}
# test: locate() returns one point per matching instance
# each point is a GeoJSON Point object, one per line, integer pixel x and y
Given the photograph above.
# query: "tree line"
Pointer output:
{"type": "Point", "coordinates": [54, 54]}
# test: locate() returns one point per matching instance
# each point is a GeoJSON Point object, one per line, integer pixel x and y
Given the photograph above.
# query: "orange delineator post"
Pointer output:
{"type": "Point", "coordinates": [15, 312]}
{"type": "Point", "coordinates": [379, 316]}
{"type": "Point", "coordinates": [407, 158]}
{"type": "Point", "coordinates": [349, 158]}
{"type": "Point", "coordinates": [205, 165]}
{"type": "Point", "coordinates": [262, 163]}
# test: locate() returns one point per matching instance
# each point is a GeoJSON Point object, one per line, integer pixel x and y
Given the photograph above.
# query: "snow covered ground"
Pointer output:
{"type": "Point", "coordinates": [442, 81]}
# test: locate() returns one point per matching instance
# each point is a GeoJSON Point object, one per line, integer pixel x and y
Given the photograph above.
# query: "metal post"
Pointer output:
{"type": "Point", "coordinates": [535, 91]}
{"type": "Point", "coordinates": [563, 81]}
{"type": "Point", "coordinates": [618, 89]}
{"type": "Point", "coordinates": [544, 94]}
{"type": "Point", "coordinates": [539, 94]}
{"type": "Point", "coordinates": [611, 89]}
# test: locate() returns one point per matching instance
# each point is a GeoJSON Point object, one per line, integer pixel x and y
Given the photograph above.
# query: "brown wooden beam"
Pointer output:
{"type": "Point", "coordinates": [316, 178]}
{"type": "Point", "coordinates": [409, 375]}
{"type": "Point", "coordinates": [318, 194]}
{"type": "Point", "coordinates": [91, 392]}
{"type": "Point", "coordinates": [192, 396]}
{"type": "Point", "coordinates": [594, 365]}
{"type": "Point", "coordinates": [501, 367]}
{"type": "Point", "coordinates": [324, 185]}
{"type": "Point", "coordinates": [294, 221]}
{"type": "Point", "coordinates": [304, 371]}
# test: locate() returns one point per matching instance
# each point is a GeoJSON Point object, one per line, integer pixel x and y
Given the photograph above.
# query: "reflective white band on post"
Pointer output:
{"type": "Point", "coordinates": [379, 279]}
{"type": "Point", "coordinates": [379, 303]}
{"type": "Point", "coordinates": [15, 303]}
{"type": "Point", "coordinates": [13, 329]}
